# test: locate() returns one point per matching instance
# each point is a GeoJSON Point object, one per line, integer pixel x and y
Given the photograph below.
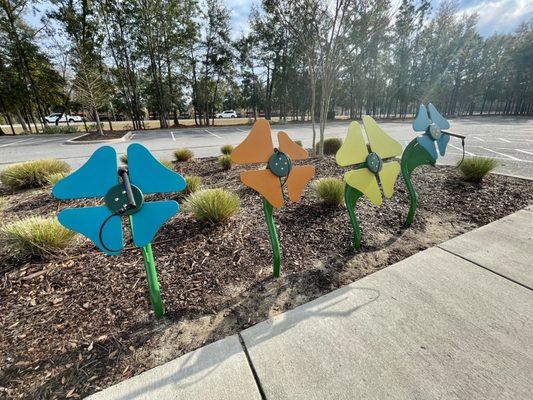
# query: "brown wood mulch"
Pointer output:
{"type": "Point", "coordinates": [80, 321]}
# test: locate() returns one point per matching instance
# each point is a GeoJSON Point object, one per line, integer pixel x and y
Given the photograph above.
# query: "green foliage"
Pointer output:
{"type": "Point", "coordinates": [167, 163]}
{"type": "Point", "coordinates": [474, 169]}
{"type": "Point", "coordinates": [54, 178]}
{"type": "Point", "coordinates": [36, 236]}
{"type": "Point", "coordinates": [225, 162]}
{"type": "Point", "coordinates": [331, 145]}
{"type": "Point", "coordinates": [32, 174]}
{"type": "Point", "coordinates": [226, 149]}
{"type": "Point", "coordinates": [213, 205]}
{"type": "Point", "coordinates": [124, 159]}
{"type": "Point", "coordinates": [299, 143]}
{"type": "Point", "coordinates": [330, 191]}
{"type": "Point", "coordinates": [59, 129]}
{"type": "Point", "coordinates": [183, 155]}
{"type": "Point", "coordinates": [3, 203]}
{"type": "Point", "coordinates": [193, 184]}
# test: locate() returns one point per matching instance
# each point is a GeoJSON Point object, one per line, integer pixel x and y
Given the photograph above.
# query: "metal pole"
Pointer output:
{"type": "Point", "coordinates": [153, 284]}
{"type": "Point", "coordinates": [273, 235]}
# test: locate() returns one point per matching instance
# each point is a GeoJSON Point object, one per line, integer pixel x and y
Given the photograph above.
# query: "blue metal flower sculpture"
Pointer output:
{"type": "Point", "coordinates": [122, 190]}
{"type": "Point", "coordinates": [432, 124]}
{"type": "Point", "coordinates": [423, 149]}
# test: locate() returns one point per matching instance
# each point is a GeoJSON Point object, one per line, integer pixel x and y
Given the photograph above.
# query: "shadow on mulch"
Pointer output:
{"type": "Point", "coordinates": [75, 324]}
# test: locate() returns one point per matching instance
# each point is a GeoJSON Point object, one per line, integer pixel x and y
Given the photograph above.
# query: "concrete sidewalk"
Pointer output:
{"type": "Point", "coordinates": [452, 322]}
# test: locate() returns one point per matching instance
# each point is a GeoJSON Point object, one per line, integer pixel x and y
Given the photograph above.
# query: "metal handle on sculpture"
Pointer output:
{"type": "Point", "coordinates": [123, 173]}
{"type": "Point", "coordinates": [454, 135]}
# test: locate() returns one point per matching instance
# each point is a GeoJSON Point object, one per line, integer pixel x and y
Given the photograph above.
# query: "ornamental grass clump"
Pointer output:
{"type": "Point", "coordinates": [330, 191]}
{"type": "Point", "coordinates": [54, 178]}
{"type": "Point", "coordinates": [225, 162]}
{"type": "Point", "coordinates": [32, 174]}
{"type": "Point", "coordinates": [167, 163]}
{"type": "Point", "coordinates": [124, 159]}
{"type": "Point", "coordinates": [213, 205]}
{"type": "Point", "coordinates": [36, 236]}
{"type": "Point", "coordinates": [193, 184]}
{"type": "Point", "coordinates": [474, 169]}
{"type": "Point", "coordinates": [299, 143]}
{"type": "Point", "coordinates": [330, 145]}
{"type": "Point", "coordinates": [183, 155]}
{"type": "Point", "coordinates": [226, 149]}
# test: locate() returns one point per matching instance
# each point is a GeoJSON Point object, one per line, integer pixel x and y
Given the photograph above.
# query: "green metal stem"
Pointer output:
{"type": "Point", "coordinates": [153, 284]}
{"type": "Point", "coordinates": [351, 195]}
{"type": "Point", "coordinates": [273, 235]}
{"type": "Point", "coordinates": [151, 277]}
{"type": "Point", "coordinates": [413, 156]}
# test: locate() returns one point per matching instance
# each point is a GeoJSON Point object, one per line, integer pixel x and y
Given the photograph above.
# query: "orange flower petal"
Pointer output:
{"type": "Point", "coordinates": [287, 146]}
{"type": "Point", "coordinates": [257, 147]}
{"type": "Point", "coordinates": [299, 176]}
{"type": "Point", "coordinates": [266, 183]}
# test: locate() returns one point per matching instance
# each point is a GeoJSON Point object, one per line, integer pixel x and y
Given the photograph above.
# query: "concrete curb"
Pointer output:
{"type": "Point", "coordinates": [124, 138]}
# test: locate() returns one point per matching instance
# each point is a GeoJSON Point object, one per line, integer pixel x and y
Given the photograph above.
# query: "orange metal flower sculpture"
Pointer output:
{"type": "Point", "coordinates": [279, 172]}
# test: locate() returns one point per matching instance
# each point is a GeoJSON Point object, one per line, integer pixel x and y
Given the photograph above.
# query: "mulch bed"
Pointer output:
{"type": "Point", "coordinates": [96, 136]}
{"type": "Point", "coordinates": [80, 321]}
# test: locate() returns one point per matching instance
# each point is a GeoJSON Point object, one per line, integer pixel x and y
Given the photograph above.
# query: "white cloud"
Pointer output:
{"type": "Point", "coordinates": [499, 16]}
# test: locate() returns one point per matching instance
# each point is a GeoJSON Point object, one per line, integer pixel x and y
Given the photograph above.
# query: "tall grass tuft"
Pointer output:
{"type": "Point", "coordinates": [167, 163]}
{"type": "Point", "coordinates": [32, 174]}
{"type": "Point", "coordinates": [330, 191]}
{"type": "Point", "coordinates": [213, 205]}
{"type": "Point", "coordinates": [183, 155]}
{"type": "Point", "coordinates": [54, 178]}
{"type": "Point", "coordinates": [474, 169]}
{"type": "Point", "coordinates": [331, 145]}
{"type": "Point", "coordinates": [193, 184]}
{"type": "Point", "coordinates": [124, 159]}
{"type": "Point", "coordinates": [225, 162]}
{"type": "Point", "coordinates": [299, 143]}
{"type": "Point", "coordinates": [36, 236]}
{"type": "Point", "coordinates": [226, 149]}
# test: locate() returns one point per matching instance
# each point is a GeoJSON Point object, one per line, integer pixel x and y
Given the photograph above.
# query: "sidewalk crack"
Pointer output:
{"type": "Point", "coordinates": [252, 368]}
{"type": "Point", "coordinates": [485, 268]}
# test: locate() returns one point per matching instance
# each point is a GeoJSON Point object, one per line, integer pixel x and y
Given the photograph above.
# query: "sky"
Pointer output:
{"type": "Point", "coordinates": [495, 16]}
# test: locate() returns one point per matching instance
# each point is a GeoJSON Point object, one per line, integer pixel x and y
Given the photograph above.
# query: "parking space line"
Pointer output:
{"type": "Point", "coordinates": [525, 152]}
{"type": "Point", "coordinates": [172, 134]}
{"type": "Point", "coordinates": [461, 150]}
{"type": "Point", "coordinates": [502, 154]}
{"type": "Point", "coordinates": [214, 134]}
{"type": "Point", "coordinates": [475, 137]}
{"type": "Point", "coordinates": [505, 140]}
{"type": "Point", "coordinates": [16, 142]}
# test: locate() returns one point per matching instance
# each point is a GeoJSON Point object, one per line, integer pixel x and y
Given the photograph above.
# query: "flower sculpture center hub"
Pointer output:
{"type": "Point", "coordinates": [435, 131]}
{"type": "Point", "coordinates": [374, 162]}
{"type": "Point", "coordinates": [280, 163]}
{"type": "Point", "coordinates": [116, 200]}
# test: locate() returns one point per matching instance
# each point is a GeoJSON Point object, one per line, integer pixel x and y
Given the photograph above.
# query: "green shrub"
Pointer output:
{"type": "Point", "coordinates": [23, 133]}
{"type": "Point", "coordinates": [36, 236]}
{"type": "Point", "coordinates": [474, 169]}
{"type": "Point", "coordinates": [225, 162]}
{"type": "Point", "coordinates": [193, 184]}
{"type": "Point", "coordinates": [330, 191]}
{"type": "Point", "coordinates": [183, 154]}
{"type": "Point", "coordinates": [331, 146]}
{"type": "Point", "coordinates": [32, 174]}
{"type": "Point", "coordinates": [213, 205]}
{"type": "Point", "coordinates": [299, 143]}
{"type": "Point", "coordinates": [167, 163]}
{"type": "Point", "coordinates": [59, 129]}
{"type": "Point", "coordinates": [124, 159]}
{"type": "Point", "coordinates": [226, 149]}
{"type": "Point", "coordinates": [54, 178]}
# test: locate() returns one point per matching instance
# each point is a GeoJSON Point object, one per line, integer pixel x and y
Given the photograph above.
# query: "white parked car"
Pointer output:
{"type": "Point", "coordinates": [52, 118]}
{"type": "Point", "coordinates": [227, 114]}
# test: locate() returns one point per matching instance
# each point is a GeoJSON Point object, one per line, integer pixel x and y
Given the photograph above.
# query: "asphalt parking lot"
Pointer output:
{"type": "Point", "coordinates": [509, 140]}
